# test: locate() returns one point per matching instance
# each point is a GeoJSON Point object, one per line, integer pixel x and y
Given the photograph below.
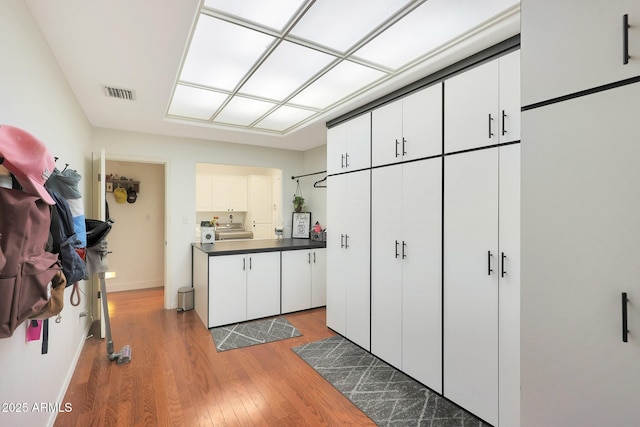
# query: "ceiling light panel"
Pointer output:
{"type": "Point", "coordinates": [284, 117]}
{"type": "Point", "coordinates": [243, 111]}
{"type": "Point", "coordinates": [338, 83]}
{"type": "Point", "coordinates": [430, 26]}
{"type": "Point", "coordinates": [340, 24]}
{"type": "Point", "coordinates": [287, 68]}
{"type": "Point", "coordinates": [273, 13]}
{"type": "Point", "coordinates": [221, 53]}
{"type": "Point", "coordinates": [195, 103]}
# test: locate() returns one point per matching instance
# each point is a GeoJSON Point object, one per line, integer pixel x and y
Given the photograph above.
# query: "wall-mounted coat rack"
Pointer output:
{"type": "Point", "coordinates": [317, 184]}
{"type": "Point", "coordinates": [112, 184]}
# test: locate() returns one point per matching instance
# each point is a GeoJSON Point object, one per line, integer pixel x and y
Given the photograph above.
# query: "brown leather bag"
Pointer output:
{"type": "Point", "coordinates": [24, 229]}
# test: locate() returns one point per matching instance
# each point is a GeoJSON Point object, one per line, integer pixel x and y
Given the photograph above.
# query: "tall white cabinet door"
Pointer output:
{"type": "Point", "coordinates": [260, 209]}
{"type": "Point", "coordinates": [509, 97]}
{"type": "Point", "coordinates": [337, 262]}
{"type": "Point", "coordinates": [422, 272]}
{"type": "Point", "coordinates": [580, 251]}
{"type": "Point", "coordinates": [422, 123]}
{"type": "Point", "coordinates": [471, 282]}
{"type": "Point", "coordinates": [386, 263]}
{"type": "Point", "coordinates": [263, 284]}
{"type": "Point", "coordinates": [386, 134]}
{"type": "Point", "coordinates": [471, 108]}
{"type": "Point", "coordinates": [509, 285]}
{"type": "Point", "coordinates": [318, 277]}
{"type": "Point", "coordinates": [227, 289]}
{"type": "Point", "coordinates": [203, 193]}
{"type": "Point", "coordinates": [296, 280]}
{"type": "Point", "coordinates": [576, 51]}
{"type": "Point", "coordinates": [358, 255]}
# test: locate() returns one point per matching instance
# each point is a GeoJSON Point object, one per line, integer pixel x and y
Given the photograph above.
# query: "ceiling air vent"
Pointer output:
{"type": "Point", "coordinates": [115, 92]}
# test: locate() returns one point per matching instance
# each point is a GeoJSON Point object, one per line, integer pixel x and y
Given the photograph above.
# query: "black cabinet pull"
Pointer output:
{"type": "Point", "coordinates": [502, 272]}
{"type": "Point", "coordinates": [625, 39]}
{"type": "Point", "coordinates": [397, 143]}
{"type": "Point", "coordinates": [309, 254]}
{"type": "Point", "coordinates": [342, 240]}
{"type": "Point", "coordinates": [625, 330]}
{"type": "Point", "coordinates": [346, 160]}
{"type": "Point", "coordinates": [342, 161]}
{"type": "Point", "coordinates": [314, 257]}
{"type": "Point", "coordinates": [346, 241]}
{"type": "Point", "coordinates": [504, 131]}
{"type": "Point", "coordinates": [397, 249]}
{"type": "Point", "coordinates": [490, 120]}
{"type": "Point", "coordinates": [244, 264]}
{"type": "Point", "coordinates": [489, 270]}
{"type": "Point", "coordinates": [249, 263]}
{"type": "Point", "coordinates": [404, 152]}
{"type": "Point", "coordinates": [404, 252]}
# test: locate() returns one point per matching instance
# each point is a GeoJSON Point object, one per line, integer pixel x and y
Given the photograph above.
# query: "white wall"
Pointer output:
{"type": "Point", "coordinates": [136, 240]}
{"type": "Point", "coordinates": [180, 156]}
{"type": "Point", "coordinates": [315, 160]}
{"type": "Point", "coordinates": [35, 96]}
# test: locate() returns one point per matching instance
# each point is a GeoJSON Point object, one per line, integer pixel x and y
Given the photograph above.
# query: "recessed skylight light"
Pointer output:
{"type": "Point", "coordinates": [274, 65]}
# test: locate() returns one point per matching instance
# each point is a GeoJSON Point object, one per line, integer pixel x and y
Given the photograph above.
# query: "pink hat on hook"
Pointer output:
{"type": "Point", "coordinates": [27, 159]}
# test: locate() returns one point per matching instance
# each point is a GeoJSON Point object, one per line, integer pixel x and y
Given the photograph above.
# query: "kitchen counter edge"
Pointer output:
{"type": "Point", "coordinates": [229, 247]}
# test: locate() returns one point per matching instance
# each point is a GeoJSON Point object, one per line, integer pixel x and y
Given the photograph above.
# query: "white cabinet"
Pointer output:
{"type": "Point", "coordinates": [406, 263]}
{"type": "Point", "coordinates": [221, 193]}
{"type": "Point", "coordinates": [409, 128]}
{"type": "Point", "coordinates": [260, 209]}
{"type": "Point", "coordinates": [349, 145]}
{"type": "Point", "coordinates": [481, 281]}
{"type": "Point", "coordinates": [204, 193]}
{"type": "Point", "coordinates": [303, 279]}
{"type": "Point", "coordinates": [348, 256]}
{"type": "Point", "coordinates": [482, 105]}
{"type": "Point", "coordinates": [576, 45]}
{"type": "Point", "coordinates": [580, 234]}
{"type": "Point", "coordinates": [243, 287]}
{"type": "Point", "coordinates": [229, 193]}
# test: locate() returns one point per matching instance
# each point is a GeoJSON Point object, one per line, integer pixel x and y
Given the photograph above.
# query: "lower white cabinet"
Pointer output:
{"type": "Point", "coordinates": [303, 279]}
{"type": "Point", "coordinates": [406, 265]}
{"type": "Point", "coordinates": [243, 287]}
{"type": "Point", "coordinates": [349, 256]}
{"type": "Point", "coordinates": [482, 283]}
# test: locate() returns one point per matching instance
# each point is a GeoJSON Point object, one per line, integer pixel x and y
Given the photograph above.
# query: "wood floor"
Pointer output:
{"type": "Point", "coordinates": [176, 377]}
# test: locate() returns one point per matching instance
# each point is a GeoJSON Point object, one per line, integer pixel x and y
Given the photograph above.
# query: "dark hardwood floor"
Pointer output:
{"type": "Point", "coordinates": [177, 378]}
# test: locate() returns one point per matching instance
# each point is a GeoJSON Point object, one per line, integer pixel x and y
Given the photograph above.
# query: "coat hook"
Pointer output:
{"type": "Point", "coordinates": [66, 165]}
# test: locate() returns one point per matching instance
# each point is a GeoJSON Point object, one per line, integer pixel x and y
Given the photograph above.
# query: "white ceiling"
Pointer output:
{"type": "Point", "coordinates": [140, 45]}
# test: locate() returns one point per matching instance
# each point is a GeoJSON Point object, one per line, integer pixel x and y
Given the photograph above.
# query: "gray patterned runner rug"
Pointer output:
{"type": "Point", "coordinates": [383, 393]}
{"type": "Point", "coordinates": [246, 334]}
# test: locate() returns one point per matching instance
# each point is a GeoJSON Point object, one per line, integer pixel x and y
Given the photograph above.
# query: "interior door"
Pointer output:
{"type": "Point", "coordinates": [471, 282]}
{"type": "Point", "coordinates": [99, 201]}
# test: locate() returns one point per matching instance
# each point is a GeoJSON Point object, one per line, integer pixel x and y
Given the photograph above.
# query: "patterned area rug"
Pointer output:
{"type": "Point", "coordinates": [384, 394]}
{"type": "Point", "coordinates": [246, 334]}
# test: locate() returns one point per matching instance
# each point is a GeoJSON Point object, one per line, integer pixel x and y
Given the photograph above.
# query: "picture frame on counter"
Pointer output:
{"type": "Point", "coordinates": [301, 225]}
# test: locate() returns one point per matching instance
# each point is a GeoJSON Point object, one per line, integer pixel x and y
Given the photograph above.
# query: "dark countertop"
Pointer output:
{"type": "Point", "coordinates": [229, 247]}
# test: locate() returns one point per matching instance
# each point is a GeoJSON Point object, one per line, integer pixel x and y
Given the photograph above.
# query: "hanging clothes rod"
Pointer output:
{"type": "Point", "coordinates": [309, 174]}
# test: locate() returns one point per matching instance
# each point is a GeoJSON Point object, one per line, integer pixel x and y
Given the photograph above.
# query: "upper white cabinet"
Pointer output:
{"type": "Point", "coordinates": [221, 193]}
{"type": "Point", "coordinates": [577, 45]}
{"type": "Point", "coordinates": [349, 145]}
{"type": "Point", "coordinates": [482, 282]}
{"type": "Point", "coordinates": [406, 265]}
{"type": "Point", "coordinates": [348, 256]}
{"type": "Point", "coordinates": [229, 193]}
{"type": "Point", "coordinates": [482, 105]}
{"type": "Point", "coordinates": [261, 207]}
{"type": "Point", "coordinates": [409, 128]}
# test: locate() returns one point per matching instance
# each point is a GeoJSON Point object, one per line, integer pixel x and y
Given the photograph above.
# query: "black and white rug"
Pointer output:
{"type": "Point", "coordinates": [383, 393]}
{"type": "Point", "coordinates": [246, 334]}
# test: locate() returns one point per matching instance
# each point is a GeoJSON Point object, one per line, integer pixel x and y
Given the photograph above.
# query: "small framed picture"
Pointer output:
{"type": "Point", "coordinates": [109, 187]}
{"type": "Point", "coordinates": [301, 225]}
